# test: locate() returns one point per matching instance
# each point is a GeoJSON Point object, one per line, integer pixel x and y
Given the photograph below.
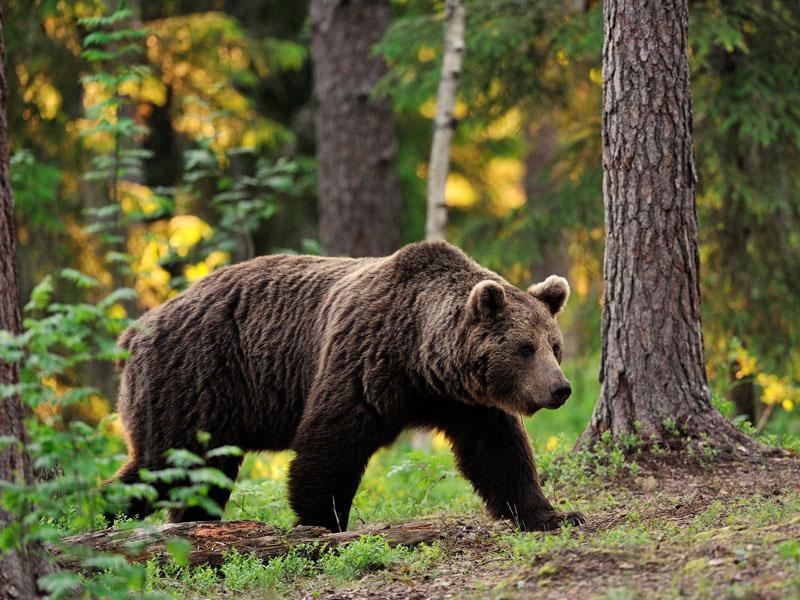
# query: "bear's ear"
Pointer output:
{"type": "Point", "coordinates": [553, 291]}
{"type": "Point", "coordinates": [487, 299]}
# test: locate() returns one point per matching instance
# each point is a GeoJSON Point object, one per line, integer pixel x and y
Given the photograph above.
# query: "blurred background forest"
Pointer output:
{"type": "Point", "coordinates": [207, 110]}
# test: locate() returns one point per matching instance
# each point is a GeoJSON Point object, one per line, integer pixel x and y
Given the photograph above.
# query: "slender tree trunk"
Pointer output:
{"type": "Point", "coordinates": [444, 127]}
{"type": "Point", "coordinates": [359, 197]}
{"type": "Point", "coordinates": [652, 372]}
{"type": "Point", "coordinates": [20, 568]}
{"type": "Point", "coordinates": [444, 124]}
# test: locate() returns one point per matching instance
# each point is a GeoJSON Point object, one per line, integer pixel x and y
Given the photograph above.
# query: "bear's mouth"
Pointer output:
{"type": "Point", "coordinates": [553, 404]}
{"type": "Point", "coordinates": [529, 409]}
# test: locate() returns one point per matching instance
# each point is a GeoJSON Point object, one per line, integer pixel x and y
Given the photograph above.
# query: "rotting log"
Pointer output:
{"type": "Point", "coordinates": [210, 541]}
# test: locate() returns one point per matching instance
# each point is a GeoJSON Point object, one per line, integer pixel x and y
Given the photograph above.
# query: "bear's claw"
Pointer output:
{"type": "Point", "coordinates": [553, 520]}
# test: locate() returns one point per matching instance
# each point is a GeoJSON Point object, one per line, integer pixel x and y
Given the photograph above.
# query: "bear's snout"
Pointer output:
{"type": "Point", "coordinates": [559, 393]}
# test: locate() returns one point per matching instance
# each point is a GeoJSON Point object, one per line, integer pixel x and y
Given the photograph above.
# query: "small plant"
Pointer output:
{"type": "Point", "coordinates": [425, 557]}
{"type": "Point", "coordinates": [368, 553]}
{"type": "Point", "coordinates": [527, 547]}
{"type": "Point", "coordinates": [423, 470]}
{"type": "Point", "coordinates": [243, 572]}
{"type": "Point", "coordinates": [672, 427]}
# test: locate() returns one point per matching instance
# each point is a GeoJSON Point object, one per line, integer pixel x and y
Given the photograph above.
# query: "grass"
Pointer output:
{"type": "Point", "coordinates": [727, 535]}
{"type": "Point", "coordinates": [247, 576]}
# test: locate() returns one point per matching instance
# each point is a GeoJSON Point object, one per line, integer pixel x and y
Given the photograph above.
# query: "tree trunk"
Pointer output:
{"type": "Point", "coordinates": [21, 567]}
{"type": "Point", "coordinates": [444, 127]}
{"type": "Point", "coordinates": [444, 124]}
{"type": "Point", "coordinates": [359, 197]}
{"type": "Point", "coordinates": [652, 372]}
{"type": "Point", "coordinates": [211, 540]}
{"type": "Point", "coordinates": [552, 257]}
{"type": "Point", "coordinates": [743, 396]}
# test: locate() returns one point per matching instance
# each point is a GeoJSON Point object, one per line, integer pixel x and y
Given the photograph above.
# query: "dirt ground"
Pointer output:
{"type": "Point", "coordinates": [672, 531]}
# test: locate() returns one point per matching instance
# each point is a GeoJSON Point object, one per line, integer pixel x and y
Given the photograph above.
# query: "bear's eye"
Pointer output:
{"type": "Point", "coordinates": [557, 351]}
{"type": "Point", "coordinates": [526, 350]}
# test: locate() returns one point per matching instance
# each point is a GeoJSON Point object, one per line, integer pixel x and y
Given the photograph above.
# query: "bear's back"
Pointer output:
{"type": "Point", "coordinates": [239, 343]}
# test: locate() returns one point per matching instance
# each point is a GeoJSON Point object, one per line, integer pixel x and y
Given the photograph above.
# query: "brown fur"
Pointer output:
{"type": "Point", "coordinates": [333, 358]}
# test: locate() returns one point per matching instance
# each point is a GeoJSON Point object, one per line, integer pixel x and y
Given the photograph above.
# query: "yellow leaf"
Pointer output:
{"type": "Point", "coordinates": [116, 311]}
{"type": "Point", "coordinates": [426, 54]}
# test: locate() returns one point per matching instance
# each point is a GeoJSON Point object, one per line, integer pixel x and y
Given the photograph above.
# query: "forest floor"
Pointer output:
{"type": "Point", "coordinates": [691, 530]}
{"type": "Point", "coordinates": [729, 530]}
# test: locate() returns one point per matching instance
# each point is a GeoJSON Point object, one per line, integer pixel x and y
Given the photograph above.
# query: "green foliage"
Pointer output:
{"type": "Point", "coordinates": [368, 553]}
{"type": "Point", "coordinates": [192, 479]}
{"type": "Point", "coordinates": [245, 572]}
{"type": "Point", "coordinates": [415, 482]}
{"type": "Point", "coordinates": [35, 191]}
{"type": "Point", "coordinates": [73, 458]}
{"type": "Point", "coordinates": [244, 202]}
{"type": "Point", "coordinates": [747, 136]}
{"type": "Point", "coordinates": [113, 46]}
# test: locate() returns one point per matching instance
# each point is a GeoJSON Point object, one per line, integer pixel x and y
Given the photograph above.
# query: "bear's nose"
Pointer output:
{"type": "Point", "coordinates": [560, 392]}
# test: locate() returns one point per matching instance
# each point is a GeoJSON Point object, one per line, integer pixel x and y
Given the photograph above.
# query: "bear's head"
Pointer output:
{"type": "Point", "coordinates": [514, 345]}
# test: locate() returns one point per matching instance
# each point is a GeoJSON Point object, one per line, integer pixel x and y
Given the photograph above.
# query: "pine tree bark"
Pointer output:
{"type": "Point", "coordinates": [652, 372]}
{"type": "Point", "coordinates": [21, 567]}
{"type": "Point", "coordinates": [444, 123]}
{"type": "Point", "coordinates": [359, 197]}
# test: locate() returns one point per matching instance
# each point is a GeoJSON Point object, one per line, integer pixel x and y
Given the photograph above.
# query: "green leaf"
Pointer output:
{"type": "Point", "coordinates": [80, 279]}
{"type": "Point", "coordinates": [40, 296]}
{"type": "Point", "coordinates": [179, 549]}
{"type": "Point", "coordinates": [224, 451]}
{"type": "Point", "coordinates": [60, 584]}
{"type": "Point", "coordinates": [210, 476]}
{"type": "Point", "coordinates": [183, 458]}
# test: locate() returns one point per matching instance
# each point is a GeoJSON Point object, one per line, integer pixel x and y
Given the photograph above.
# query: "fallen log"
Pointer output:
{"type": "Point", "coordinates": [210, 541]}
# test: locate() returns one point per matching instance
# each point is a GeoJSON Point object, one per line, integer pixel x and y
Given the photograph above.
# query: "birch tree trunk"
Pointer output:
{"type": "Point", "coordinates": [652, 372]}
{"type": "Point", "coordinates": [19, 568]}
{"type": "Point", "coordinates": [359, 196]}
{"type": "Point", "coordinates": [444, 126]}
{"type": "Point", "coordinates": [444, 122]}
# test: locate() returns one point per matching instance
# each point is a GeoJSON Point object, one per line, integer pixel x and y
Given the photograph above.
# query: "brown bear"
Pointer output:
{"type": "Point", "coordinates": [334, 358]}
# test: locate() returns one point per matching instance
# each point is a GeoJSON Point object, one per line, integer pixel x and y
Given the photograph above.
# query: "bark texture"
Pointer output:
{"type": "Point", "coordinates": [211, 540]}
{"type": "Point", "coordinates": [444, 124]}
{"type": "Point", "coordinates": [653, 369]}
{"type": "Point", "coordinates": [19, 569]}
{"type": "Point", "coordinates": [359, 197]}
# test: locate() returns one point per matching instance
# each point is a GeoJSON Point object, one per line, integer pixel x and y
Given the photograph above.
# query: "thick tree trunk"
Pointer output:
{"type": "Point", "coordinates": [653, 371]}
{"type": "Point", "coordinates": [359, 197]}
{"type": "Point", "coordinates": [444, 123]}
{"type": "Point", "coordinates": [20, 568]}
{"type": "Point", "coordinates": [211, 540]}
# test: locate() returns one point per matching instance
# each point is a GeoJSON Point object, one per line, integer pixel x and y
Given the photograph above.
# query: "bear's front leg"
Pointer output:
{"type": "Point", "coordinates": [493, 451]}
{"type": "Point", "coordinates": [333, 444]}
